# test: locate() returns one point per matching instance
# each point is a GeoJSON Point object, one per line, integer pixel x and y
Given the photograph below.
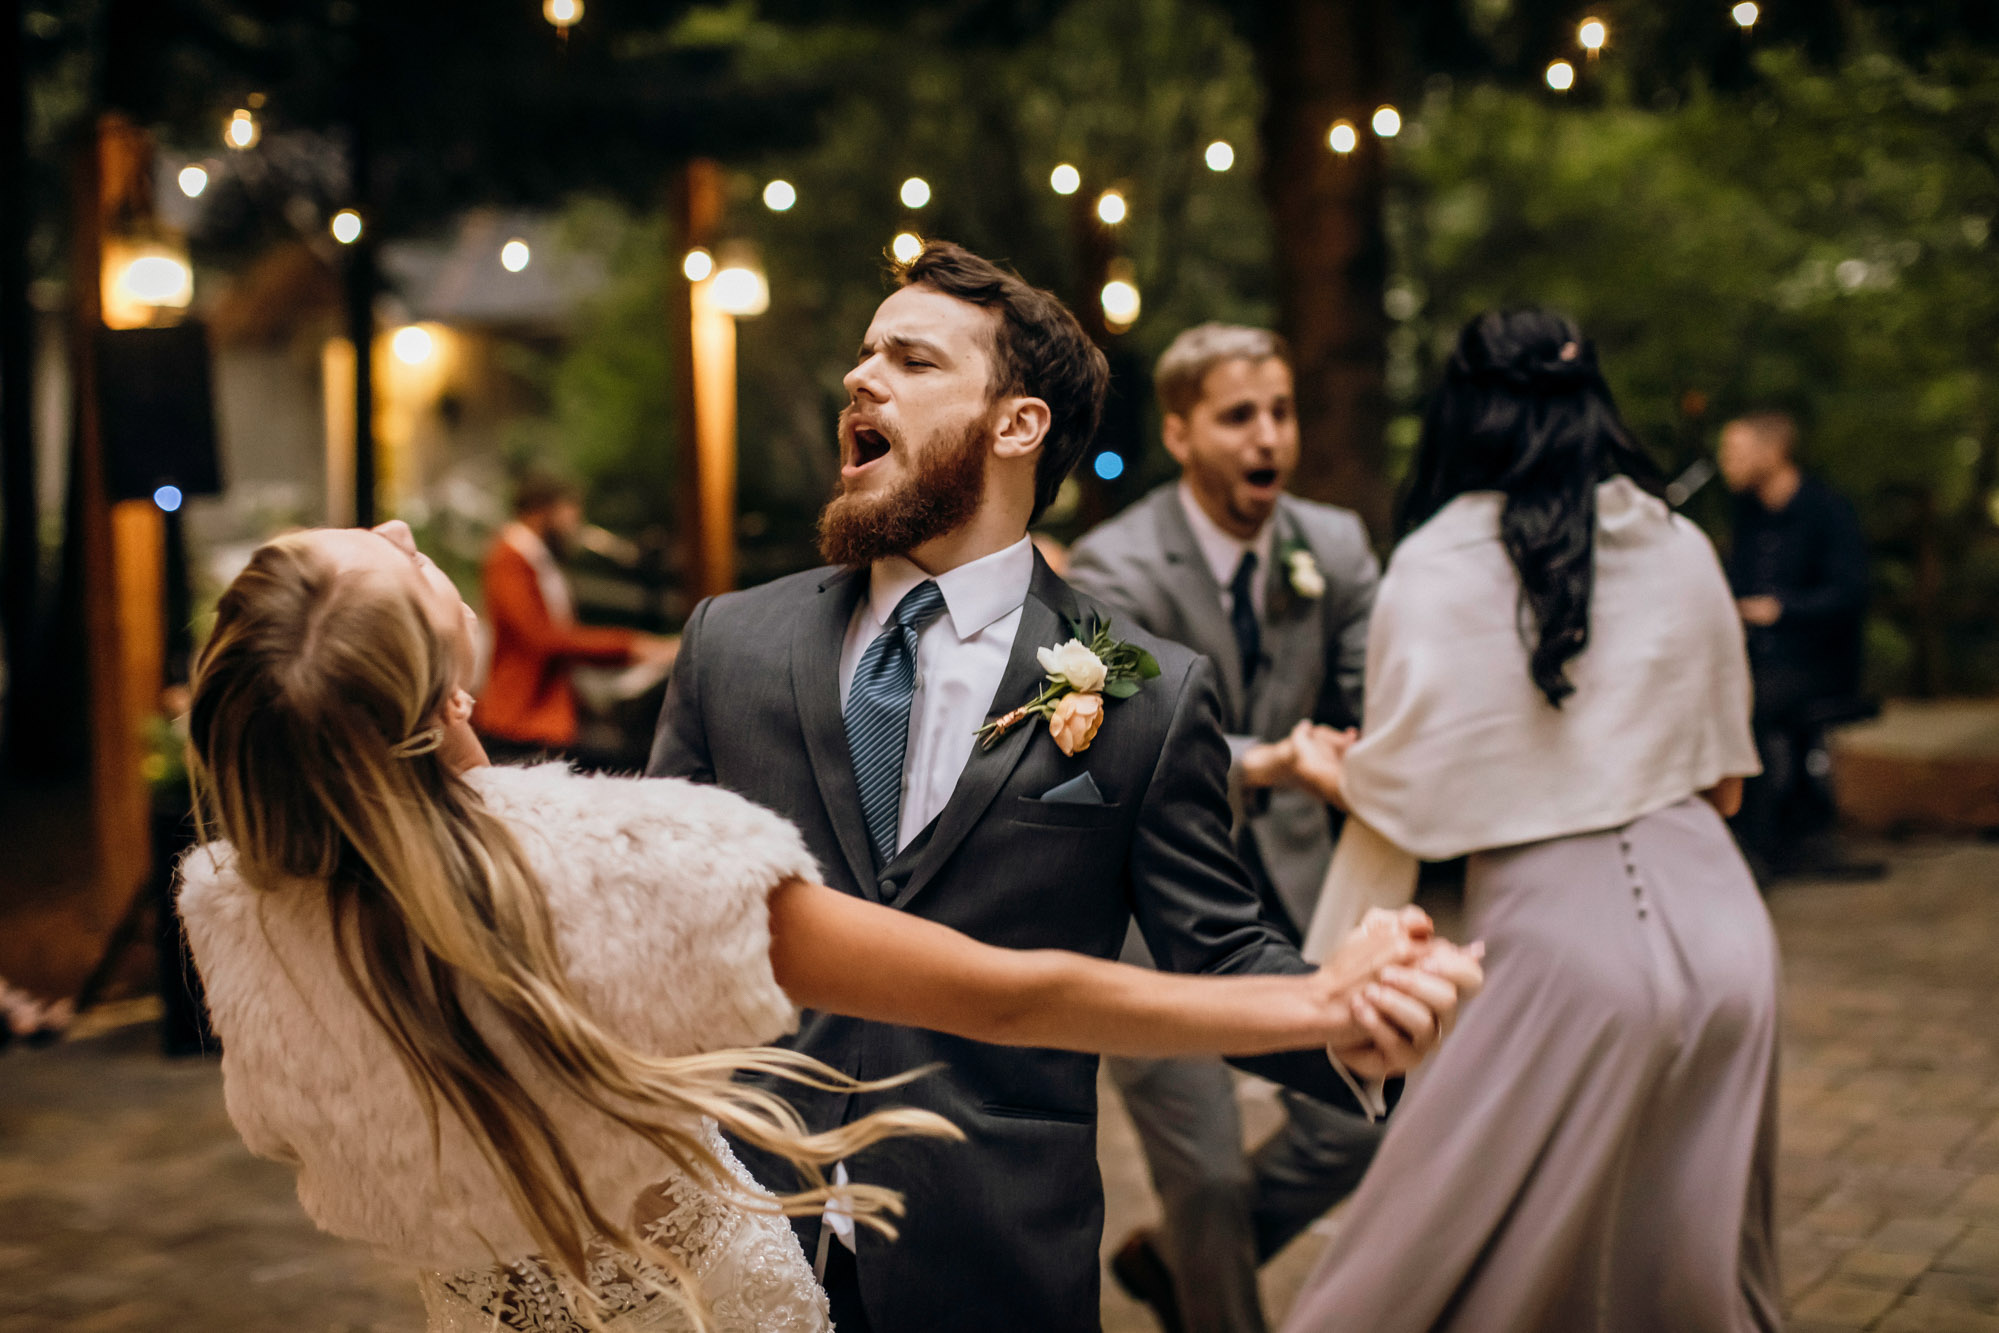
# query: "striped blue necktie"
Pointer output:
{"type": "Point", "coordinates": [878, 701]}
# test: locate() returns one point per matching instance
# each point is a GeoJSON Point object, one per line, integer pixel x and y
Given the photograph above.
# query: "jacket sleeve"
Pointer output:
{"type": "Point", "coordinates": [1194, 903]}
{"type": "Point", "coordinates": [1353, 584]}
{"type": "Point", "coordinates": [680, 745]}
{"type": "Point", "coordinates": [513, 601]}
{"type": "Point", "coordinates": [1841, 591]}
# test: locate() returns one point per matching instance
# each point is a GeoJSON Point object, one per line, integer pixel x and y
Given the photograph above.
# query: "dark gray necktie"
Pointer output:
{"type": "Point", "coordinates": [878, 701]}
{"type": "Point", "coordinates": [1242, 615]}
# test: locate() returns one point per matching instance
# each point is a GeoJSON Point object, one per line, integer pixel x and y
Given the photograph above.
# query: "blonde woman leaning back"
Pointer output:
{"type": "Point", "coordinates": [493, 1016]}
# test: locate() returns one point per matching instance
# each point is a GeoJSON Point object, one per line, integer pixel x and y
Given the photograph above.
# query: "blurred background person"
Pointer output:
{"type": "Point", "coordinates": [1276, 590]}
{"type": "Point", "coordinates": [527, 707]}
{"type": "Point", "coordinates": [1799, 570]}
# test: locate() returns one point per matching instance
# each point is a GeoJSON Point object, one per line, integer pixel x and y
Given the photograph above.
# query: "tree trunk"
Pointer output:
{"type": "Point", "coordinates": [20, 526]}
{"type": "Point", "coordinates": [1324, 61]}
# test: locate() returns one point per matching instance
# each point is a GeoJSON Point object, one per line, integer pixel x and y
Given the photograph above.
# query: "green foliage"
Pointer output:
{"type": "Point", "coordinates": [1822, 244]}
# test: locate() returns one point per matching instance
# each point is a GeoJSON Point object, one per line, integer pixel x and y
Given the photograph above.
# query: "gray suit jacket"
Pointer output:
{"type": "Point", "coordinates": [1146, 566]}
{"type": "Point", "coordinates": [1003, 1231]}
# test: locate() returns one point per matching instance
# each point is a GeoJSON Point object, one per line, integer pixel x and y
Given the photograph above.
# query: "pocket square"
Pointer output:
{"type": "Point", "coordinates": [1079, 790]}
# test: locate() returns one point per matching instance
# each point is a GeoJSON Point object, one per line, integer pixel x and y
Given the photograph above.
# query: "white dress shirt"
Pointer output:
{"type": "Point", "coordinates": [960, 657]}
{"type": "Point", "coordinates": [1224, 552]}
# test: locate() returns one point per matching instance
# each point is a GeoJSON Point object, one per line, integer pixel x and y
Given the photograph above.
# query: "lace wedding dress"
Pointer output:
{"type": "Point", "coordinates": [748, 1265]}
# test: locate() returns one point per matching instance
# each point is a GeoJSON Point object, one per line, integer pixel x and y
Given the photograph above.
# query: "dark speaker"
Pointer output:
{"type": "Point", "coordinates": [156, 411]}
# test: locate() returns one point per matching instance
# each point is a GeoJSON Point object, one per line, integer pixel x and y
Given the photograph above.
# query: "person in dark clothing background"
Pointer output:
{"type": "Point", "coordinates": [1798, 565]}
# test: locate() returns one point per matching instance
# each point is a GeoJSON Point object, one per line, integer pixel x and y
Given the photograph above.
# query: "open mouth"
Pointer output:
{"type": "Point", "coordinates": [869, 445]}
{"type": "Point", "coordinates": [1263, 478]}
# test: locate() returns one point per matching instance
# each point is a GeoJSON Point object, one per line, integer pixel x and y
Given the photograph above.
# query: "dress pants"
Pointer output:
{"type": "Point", "coordinates": [842, 1281]}
{"type": "Point", "coordinates": [1227, 1211]}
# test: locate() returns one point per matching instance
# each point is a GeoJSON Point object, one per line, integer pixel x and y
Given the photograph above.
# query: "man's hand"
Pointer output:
{"type": "Point", "coordinates": [1410, 1009]}
{"type": "Point", "coordinates": [1270, 764]}
{"type": "Point", "coordinates": [1318, 760]}
{"type": "Point", "coordinates": [656, 649]}
{"type": "Point", "coordinates": [1760, 611]}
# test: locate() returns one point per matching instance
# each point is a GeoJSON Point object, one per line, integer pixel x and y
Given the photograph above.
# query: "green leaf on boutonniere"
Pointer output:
{"type": "Point", "coordinates": [1121, 688]}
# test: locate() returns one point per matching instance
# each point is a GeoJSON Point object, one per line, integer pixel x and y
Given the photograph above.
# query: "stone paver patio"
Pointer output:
{"type": "Point", "coordinates": [126, 1202]}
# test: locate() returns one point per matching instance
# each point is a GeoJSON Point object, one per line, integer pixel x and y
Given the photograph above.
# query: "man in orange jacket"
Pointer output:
{"type": "Point", "coordinates": [528, 707]}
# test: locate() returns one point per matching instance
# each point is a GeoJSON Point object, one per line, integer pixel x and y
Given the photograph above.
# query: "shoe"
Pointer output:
{"type": "Point", "coordinates": [1141, 1270]}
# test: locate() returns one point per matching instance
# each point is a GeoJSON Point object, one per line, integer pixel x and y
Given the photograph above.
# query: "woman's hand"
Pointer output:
{"type": "Point", "coordinates": [1409, 1009]}
{"type": "Point", "coordinates": [1318, 760]}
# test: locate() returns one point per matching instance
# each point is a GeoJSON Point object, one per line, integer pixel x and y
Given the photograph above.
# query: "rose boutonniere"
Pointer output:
{"type": "Point", "coordinates": [1082, 673]}
{"type": "Point", "coordinates": [1302, 567]}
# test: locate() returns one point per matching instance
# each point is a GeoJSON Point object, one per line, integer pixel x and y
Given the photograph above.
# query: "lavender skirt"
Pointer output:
{"type": "Point", "coordinates": [1594, 1148]}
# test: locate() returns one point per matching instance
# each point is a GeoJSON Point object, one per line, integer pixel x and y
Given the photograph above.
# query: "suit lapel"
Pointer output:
{"type": "Point", "coordinates": [1290, 638]}
{"type": "Point", "coordinates": [1191, 584]}
{"type": "Point", "coordinates": [815, 684]}
{"type": "Point", "coordinates": [1044, 620]}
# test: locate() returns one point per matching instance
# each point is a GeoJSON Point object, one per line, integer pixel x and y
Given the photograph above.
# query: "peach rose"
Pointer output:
{"type": "Point", "coordinates": [1076, 720]}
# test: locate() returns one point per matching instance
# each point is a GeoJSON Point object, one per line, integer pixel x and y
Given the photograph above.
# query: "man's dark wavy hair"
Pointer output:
{"type": "Point", "coordinates": [1039, 350]}
{"type": "Point", "coordinates": [1524, 410]}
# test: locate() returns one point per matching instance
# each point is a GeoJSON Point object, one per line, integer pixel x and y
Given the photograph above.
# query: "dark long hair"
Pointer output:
{"type": "Point", "coordinates": [1523, 410]}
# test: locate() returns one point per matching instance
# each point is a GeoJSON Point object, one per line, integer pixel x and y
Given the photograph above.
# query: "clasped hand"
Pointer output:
{"type": "Point", "coordinates": [1400, 985]}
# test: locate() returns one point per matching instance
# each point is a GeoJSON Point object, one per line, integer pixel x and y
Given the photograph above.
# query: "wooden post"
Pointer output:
{"type": "Point", "coordinates": [705, 390]}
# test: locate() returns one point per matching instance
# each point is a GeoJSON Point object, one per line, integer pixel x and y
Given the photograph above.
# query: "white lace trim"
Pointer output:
{"type": "Point", "coordinates": [747, 1264]}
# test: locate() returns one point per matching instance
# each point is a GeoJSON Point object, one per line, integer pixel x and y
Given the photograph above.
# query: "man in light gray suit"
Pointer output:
{"type": "Point", "coordinates": [1276, 591]}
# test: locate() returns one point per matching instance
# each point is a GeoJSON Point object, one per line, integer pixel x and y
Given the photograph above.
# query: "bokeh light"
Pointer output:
{"type": "Point", "coordinates": [346, 226]}
{"type": "Point", "coordinates": [1108, 465]}
{"type": "Point", "coordinates": [698, 265]}
{"type": "Point", "coordinates": [915, 192]}
{"type": "Point", "coordinates": [1387, 122]}
{"type": "Point", "coordinates": [412, 344]}
{"type": "Point", "coordinates": [1111, 208]}
{"type": "Point", "coordinates": [1121, 304]}
{"type": "Point", "coordinates": [1342, 137]}
{"type": "Point", "coordinates": [1592, 35]}
{"type": "Point", "coordinates": [1561, 76]}
{"type": "Point", "coordinates": [242, 131]}
{"type": "Point", "coordinates": [1220, 155]}
{"type": "Point", "coordinates": [193, 180]}
{"type": "Point", "coordinates": [1065, 179]}
{"type": "Point", "coordinates": [562, 13]}
{"type": "Point", "coordinates": [168, 499]}
{"type": "Point", "coordinates": [514, 255]}
{"type": "Point", "coordinates": [1746, 14]}
{"type": "Point", "coordinates": [779, 196]}
{"type": "Point", "coordinates": [741, 292]}
{"type": "Point", "coordinates": [906, 246]}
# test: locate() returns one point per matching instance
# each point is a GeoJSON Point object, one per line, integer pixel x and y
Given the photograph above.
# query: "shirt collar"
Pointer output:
{"type": "Point", "coordinates": [1223, 551]}
{"type": "Point", "coordinates": [975, 594]}
{"type": "Point", "coordinates": [528, 543]}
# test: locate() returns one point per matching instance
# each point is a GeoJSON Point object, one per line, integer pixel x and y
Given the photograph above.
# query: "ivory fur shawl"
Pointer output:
{"type": "Point", "coordinates": [658, 889]}
{"type": "Point", "coordinates": [1460, 752]}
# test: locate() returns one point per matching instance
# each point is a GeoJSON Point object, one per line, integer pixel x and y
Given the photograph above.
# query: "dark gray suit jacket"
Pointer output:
{"type": "Point", "coordinates": [1146, 566]}
{"type": "Point", "coordinates": [1002, 1232]}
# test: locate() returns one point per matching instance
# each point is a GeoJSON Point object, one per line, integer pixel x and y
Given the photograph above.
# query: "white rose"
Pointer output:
{"type": "Point", "coordinates": [1306, 580]}
{"type": "Point", "coordinates": [1075, 664]}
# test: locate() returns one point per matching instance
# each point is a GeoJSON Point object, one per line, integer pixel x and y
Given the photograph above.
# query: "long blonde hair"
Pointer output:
{"type": "Point", "coordinates": [311, 678]}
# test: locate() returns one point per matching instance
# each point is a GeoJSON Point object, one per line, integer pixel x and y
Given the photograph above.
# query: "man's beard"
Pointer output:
{"type": "Point", "coordinates": [941, 495]}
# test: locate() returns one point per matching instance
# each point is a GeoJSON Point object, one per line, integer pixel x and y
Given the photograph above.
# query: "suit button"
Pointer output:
{"type": "Point", "coordinates": [889, 888]}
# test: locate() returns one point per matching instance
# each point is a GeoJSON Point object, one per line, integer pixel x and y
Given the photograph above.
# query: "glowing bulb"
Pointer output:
{"type": "Point", "coordinates": [168, 498]}
{"type": "Point", "coordinates": [741, 292]}
{"type": "Point", "coordinates": [698, 265]}
{"type": "Point", "coordinates": [1746, 14]}
{"type": "Point", "coordinates": [1387, 122]}
{"type": "Point", "coordinates": [1065, 179]}
{"type": "Point", "coordinates": [1121, 303]}
{"type": "Point", "coordinates": [242, 131]}
{"type": "Point", "coordinates": [1220, 155]}
{"type": "Point", "coordinates": [562, 13]}
{"type": "Point", "coordinates": [1561, 76]}
{"type": "Point", "coordinates": [1111, 208]}
{"type": "Point", "coordinates": [915, 192]}
{"type": "Point", "coordinates": [346, 226]}
{"type": "Point", "coordinates": [514, 255]}
{"type": "Point", "coordinates": [193, 180]}
{"type": "Point", "coordinates": [157, 280]}
{"type": "Point", "coordinates": [412, 344]}
{"type": "Point", "coordinates": [905, 247]}
{"type": "Point", "coordinates": [779, 196]}
{"type": "Point", "coordinates": [1592, 35]}
{"type": "Point", "coordinates": [1342, 137]}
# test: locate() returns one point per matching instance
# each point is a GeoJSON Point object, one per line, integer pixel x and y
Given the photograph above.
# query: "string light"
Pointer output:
{"type": "Point", "coordinates": [1065, 179]}
{"type": "Point", "coordinates": [698, 265]}
{"type": "Point", "coordinates": [242, 131]}
{"type": "Point", "coordinates": [1746, 14]}
{"type": "Point", "coordinates": [168, 499]}
{"type": "Point", "coordinates": [563, 14]}
{"type": "Point", "coordinates": [514, 255]}
{"type": "Point", "coordinates": [1592, 35]}
{"type": "Point", "coordinates": [1121, 304]}
{"type": "Point", "coordinates": [157, 280]}
{"type": "Point", "coordinates": [1561, 76]}
{"type": "Point", "coordinates": [906, 246]}
{"type": "Point", "coordinates": [346, 226]}
{"type": "Point", "coordinates": [412, 344]}
{"type": "Point", "coordinates": [1387, 122]}
{"type": "Point", "coordinates": [779, 196]}
{"type": "Point", "coordinates": [1342, 138]}
{"type": "Point", "coordinates": [741, 292]}
{"type": "Point", "coordinates": [193, 180]}
{"type": "Point", "coordinates": [1220, 155]}
{"type": "Point", "coordinates": [915, 192]}
{"type": "Point", "coordinates": [1111, 208]}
